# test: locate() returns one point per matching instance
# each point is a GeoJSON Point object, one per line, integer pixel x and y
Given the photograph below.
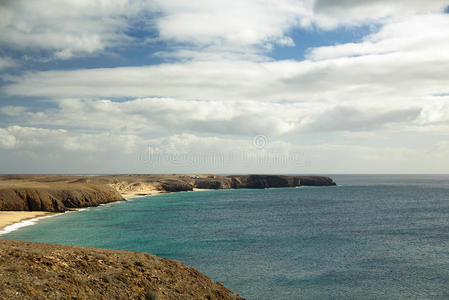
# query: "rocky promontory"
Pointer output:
{"type": "Point", "coordinates": [45, 271]}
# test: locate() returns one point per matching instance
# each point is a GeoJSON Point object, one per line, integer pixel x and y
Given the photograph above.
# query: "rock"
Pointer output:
{"type": "Point", "coordinates": [316, 181]}
{"type": "Point", "coordinates": [213, 183]}
{"type": "Point", "coordinates": [45, 271]}
{"type": "Point", "coordinates": [276, 181]}
{"type": "Point", "coordinates": [173, 185]}
{"type": "Point", "coordinates": [56, 199]}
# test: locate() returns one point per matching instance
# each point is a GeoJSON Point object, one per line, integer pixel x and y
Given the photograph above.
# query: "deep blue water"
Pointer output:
{"type": "Point", "coordinates": [372, 237]}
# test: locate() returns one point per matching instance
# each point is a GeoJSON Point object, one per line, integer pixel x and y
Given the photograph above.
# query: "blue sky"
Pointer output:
{"type": "Point", "coordinates": [326, 87]}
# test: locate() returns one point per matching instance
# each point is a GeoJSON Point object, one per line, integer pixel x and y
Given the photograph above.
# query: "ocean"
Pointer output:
{"type": "Point", "coordinates": [370, 237]}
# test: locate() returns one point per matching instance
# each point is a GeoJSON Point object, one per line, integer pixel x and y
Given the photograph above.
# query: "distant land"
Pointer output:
{"type": "Point", "coordinates": [59, 193]}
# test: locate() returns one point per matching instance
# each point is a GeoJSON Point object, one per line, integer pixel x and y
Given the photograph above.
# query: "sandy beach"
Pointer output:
{"type": "Point", "coordinates": [127, 195]}
{"type": "Point", "coordinates": [11, 217]}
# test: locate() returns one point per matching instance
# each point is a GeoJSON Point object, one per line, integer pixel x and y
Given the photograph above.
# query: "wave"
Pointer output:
{"type": "Point", "coordinates": [24, 223]}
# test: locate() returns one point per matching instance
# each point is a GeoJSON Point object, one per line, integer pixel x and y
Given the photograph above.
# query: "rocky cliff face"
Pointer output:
{"type": "Point", "coordinates": [56, 199]}
{"type": "Point", "coordinates": [216, 183]}
{"type": "Point", "coordinates": [261, 181]}
{"type": "Point", "coordinates": [315, 181]}
{"type": "Point", "coordinates": [44, 271]}
{"type": "Point", "coordinates": [276, 181]}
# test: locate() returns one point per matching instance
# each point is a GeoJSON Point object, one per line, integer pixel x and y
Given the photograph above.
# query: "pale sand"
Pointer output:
{"type": "Point", "coordinates": [143, 193]}
{"type": "Point", "coordinates": [128, 195]}
{"type": "Point", "coordinates": [12, 217]}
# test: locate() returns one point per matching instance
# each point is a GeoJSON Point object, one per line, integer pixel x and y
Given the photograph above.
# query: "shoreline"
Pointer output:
{"type": "Point", "coordinates": [130, 195]}
{"type": "Point", "coordinates": [57, 193]}
{"type": "Point", "coordinates": [13, 220]}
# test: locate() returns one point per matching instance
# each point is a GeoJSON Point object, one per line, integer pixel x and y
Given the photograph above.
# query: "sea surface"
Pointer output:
{"type": "Point", "coordinates": [371, 237]}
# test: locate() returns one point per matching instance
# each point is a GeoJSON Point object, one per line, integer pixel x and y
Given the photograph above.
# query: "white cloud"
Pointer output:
{"type": "Point", "coordinates": [337, 106]}
{"type": "Point", "coordinates": [12, 111]}
{"type": "Point", "coordinates": [65, 151]}
{"type": "Point", "coordinates": [393, 78]}
{"type": "Point", "coordinates": [331, 14]}
{"type": "Point", "coordinates": [7, 140]}
{"type": "Point", "coordinates": [162, 116]}
{"type": "Point", "coordinates": [425, 36]}
{"type": "Point", "coordinates": [66, 28]}
{"type": "Point", "coordinates": [37, 139]}
{"type": "Point", "coordinates": [7, 63]}
{"type": "Point", "coordinates": [342, 118]}
{"type": "Point", "coordinates": [240, 23]}
{"type": "Point", "coordinates": [71, 28]}
{"type": "Point", "coordinates": [262, 22]}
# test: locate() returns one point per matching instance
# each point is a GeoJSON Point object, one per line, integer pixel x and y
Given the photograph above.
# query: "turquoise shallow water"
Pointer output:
{"type": "Point", "coordinates": [373, 237]}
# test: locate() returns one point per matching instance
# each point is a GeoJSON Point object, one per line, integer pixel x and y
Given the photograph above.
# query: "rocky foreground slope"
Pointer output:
{"type": "Point", "coordinates": [59, 193]}
{"type": "Point", "coordinates": [45, 271]}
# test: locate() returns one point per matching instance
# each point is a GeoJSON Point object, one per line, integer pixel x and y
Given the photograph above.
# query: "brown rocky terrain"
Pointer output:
{"type": "Point", "coordinates": [46, 271]}
{"type": "Point", "coordinates": [57, 193]}
{"type": "Point", "coordinates": [52, 193]}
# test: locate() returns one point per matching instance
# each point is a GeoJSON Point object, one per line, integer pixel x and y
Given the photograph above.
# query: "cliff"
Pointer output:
{"type": "Point", "coordinates": [54, 196]}
{"type": "Point", "coordinates": [45, 271]}
{"type": "Point", "coordinates": [262, 181]}
{"type": "Point", "coordinates": [59, 193]}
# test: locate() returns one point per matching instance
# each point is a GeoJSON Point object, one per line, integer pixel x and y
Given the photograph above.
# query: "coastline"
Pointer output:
{"type": "Point", "coordinates": [59, 193]}
{"type": "Point", "coordinates": [13, 220]}
{"type": "Point", "coordinates": [24, 199]}
{"type": "Point", "coordinates": [130, 195]}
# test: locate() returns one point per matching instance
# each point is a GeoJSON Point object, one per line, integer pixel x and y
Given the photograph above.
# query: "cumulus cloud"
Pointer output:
{"type": "Point", "coordinates": [392, 77]}
{"type": "Point", "coordinates": [423, 36]}
{"type": "Point", "coordinates": [65, 28]}
{"type": "Point", "coordinates": [77, 28]}
{"type": "Point", "coordinates": [73, 28]}
{"type": "Point", "coordinates": [155, 116]}
{"type": "Point", "coordinates": [353, 119]}
{"type": "Point", "coordinates": [330, 14]}
{"type": "Point", "coordinates": [37, 138]}
{"type": "Point", "coordinates": [240, 23]}
{"type": "Point", "coordinates": [7, 140]}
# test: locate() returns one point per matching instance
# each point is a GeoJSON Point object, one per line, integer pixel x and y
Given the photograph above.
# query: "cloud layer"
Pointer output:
{"type": "Point", "coordinates": [379, 104]}
{"type": "Point", "coordinates": [75, 28]}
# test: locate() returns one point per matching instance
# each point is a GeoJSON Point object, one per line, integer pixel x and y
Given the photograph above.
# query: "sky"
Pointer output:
{"type": "Point", "coordinates": [215, 86]}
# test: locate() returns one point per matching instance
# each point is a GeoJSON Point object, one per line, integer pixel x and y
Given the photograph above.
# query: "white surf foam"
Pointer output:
{"type": "Point", "coordinates": [18, 225]}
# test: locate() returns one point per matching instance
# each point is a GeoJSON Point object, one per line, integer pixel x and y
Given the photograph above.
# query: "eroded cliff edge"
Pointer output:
{"type": "Point", "coordinates": [52, 193]}
{"type": "Point", "coordinates": [45, 271]}
{"type": "Point", "coordinates": [58, 193]}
